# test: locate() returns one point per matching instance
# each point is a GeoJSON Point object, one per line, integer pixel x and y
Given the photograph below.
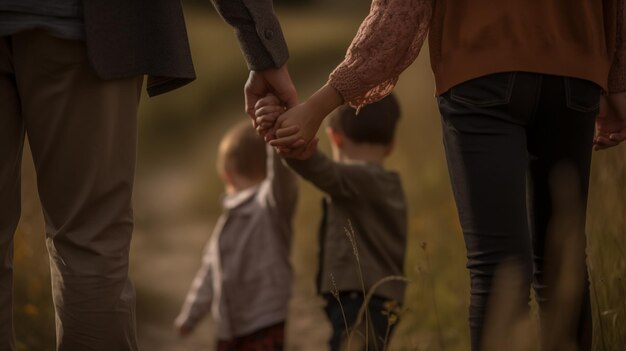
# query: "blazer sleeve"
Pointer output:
{"type": "Point", "coordinates": [258, 31]}
{"type": "Point", "coordinates": [333, 178]}
{"type": "Point", "coordinates": [617, 76]}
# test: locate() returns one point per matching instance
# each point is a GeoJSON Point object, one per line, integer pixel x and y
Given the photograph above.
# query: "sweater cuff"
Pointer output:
{"type": "Point", "coordinates": [354, 91]}
{"type": "Point", "coordinates": [344, 83]}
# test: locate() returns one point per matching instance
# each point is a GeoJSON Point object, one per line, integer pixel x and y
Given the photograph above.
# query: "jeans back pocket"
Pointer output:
{"type": "Point", "coordinates": [582, 95]}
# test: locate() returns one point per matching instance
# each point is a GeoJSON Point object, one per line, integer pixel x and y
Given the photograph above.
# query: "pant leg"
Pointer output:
{"type": "Point", "coordinates": [337, 320]}
{"type": "Point", "coordinates": [484, 131]}
{"type": "Point", "coordinates": [270, 338]}
{"type": "Point", "coordinates": [11, 143]}
{"type": "Point", "coordinates": [560, 140]}
{"type": "Point", "coordinates": [351, 303]}
{"type": "Point", "coordinates": [383, 321]}
{"type": "Point", "coordinates": [226, 345]}
{"type": "Point", "coordinates": [82, 132]}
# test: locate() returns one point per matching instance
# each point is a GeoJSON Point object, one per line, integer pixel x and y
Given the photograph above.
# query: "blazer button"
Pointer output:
{"type": "Point", "coordinates": [269, 34]}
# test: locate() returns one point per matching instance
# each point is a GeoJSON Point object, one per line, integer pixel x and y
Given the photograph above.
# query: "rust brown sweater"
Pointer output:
{"type": "Point", "coordinates": [473, 38]}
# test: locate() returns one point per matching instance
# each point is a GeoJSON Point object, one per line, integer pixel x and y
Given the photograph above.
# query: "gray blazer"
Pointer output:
{"type": "Point", "coordinates": [127, 38]}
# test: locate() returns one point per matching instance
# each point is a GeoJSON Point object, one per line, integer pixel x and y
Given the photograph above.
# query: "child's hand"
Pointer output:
{"type": "Point", "coordinates": [266, 112]}
{"type": "Point", "coordinates": [611, 121]}
{"type": "Point", "coordinates": [297, 127]}
{"type": "Point", "coordinates": [183, 331]}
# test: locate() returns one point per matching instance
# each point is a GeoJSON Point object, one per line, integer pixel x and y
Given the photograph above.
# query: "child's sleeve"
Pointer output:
{"type": "Point", "coordinates": [199, 298]}
{"type": "Point", "coordinates": [617, 76]}
{"type": "Point", "coordinates": [330, 177]}
{"type": "Point", "coordinates": [283, 184]}
{"type": "Point", "coordinates": [388, 41]}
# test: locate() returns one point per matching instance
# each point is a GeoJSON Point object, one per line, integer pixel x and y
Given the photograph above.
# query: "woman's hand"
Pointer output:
{"type": "Point", "coordinates": [301, 123]}
{"type": "Point", "coordinates": [611, 121]}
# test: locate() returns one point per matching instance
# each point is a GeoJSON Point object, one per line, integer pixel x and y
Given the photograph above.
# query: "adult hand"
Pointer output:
{"type": "Point", "coordinates": [307, 116]}
{"type": "Point", "coordinates": [272, 80]}
{"type": "Point", "coordinates": [267, 111]}
{"type": "Point", "coordinates": [296, 127]}
{"type": "Point", "coordinates": [611, 121]}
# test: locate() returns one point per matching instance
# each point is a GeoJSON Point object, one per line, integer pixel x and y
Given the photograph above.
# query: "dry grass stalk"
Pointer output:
{"type": "Point", "coordinates": [424, 247]}
{"type": "Point", "coordinates": [335, 293]}
{"type": "Point", "coordinates": [392, 316]}
{"type": "Point", "coordinates": [363, 313]}
{"type": "Point", "coordinates": [351, 234]}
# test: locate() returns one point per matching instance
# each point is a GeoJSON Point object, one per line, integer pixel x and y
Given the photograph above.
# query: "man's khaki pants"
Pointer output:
{"type": "Point", "coordinates": [82, 133]}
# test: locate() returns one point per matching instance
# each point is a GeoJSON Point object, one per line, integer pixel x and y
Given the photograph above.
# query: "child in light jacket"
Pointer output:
{"type": "Point", "coordinates": [245, 277]}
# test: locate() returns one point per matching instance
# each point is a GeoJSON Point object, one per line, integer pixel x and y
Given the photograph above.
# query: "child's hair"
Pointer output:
{"type": "Point", "coordinates": [243, 152]}
{"type": "Point", "coordinates": [375, 123]}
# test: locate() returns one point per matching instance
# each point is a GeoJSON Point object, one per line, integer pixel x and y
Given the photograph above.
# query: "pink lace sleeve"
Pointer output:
{"type": "Point", "coordinates": [617, 76]}
{"type": "Point", "coordinates": [388, 41]}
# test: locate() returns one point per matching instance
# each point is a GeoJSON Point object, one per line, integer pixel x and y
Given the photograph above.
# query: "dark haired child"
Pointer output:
{"type": "Point", "coordinates": [367, 201]}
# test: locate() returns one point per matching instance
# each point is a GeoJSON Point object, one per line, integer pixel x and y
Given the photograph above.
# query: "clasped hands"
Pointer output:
{"type": "Point", "coordinates": [292, 132]}
{"type": "Point", "coordinates": [271, 102]}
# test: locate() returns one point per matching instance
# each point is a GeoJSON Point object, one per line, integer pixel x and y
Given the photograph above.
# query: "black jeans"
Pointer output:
{"type": "Point", "coordinates": [519, 150]}
{"type": "Point", "coordinates": [380, 313]}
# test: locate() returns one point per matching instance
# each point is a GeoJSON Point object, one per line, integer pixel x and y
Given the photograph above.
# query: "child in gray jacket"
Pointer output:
{"type": "Point", "coordinates": [366, 201]}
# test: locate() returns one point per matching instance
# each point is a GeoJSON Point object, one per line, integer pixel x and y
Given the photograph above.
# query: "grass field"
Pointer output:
{"type": "Point", "coordinates": [177, 203]}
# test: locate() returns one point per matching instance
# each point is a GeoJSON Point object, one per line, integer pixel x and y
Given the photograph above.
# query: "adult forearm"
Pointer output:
{"type": "Point", "coordinates": [388, 41]}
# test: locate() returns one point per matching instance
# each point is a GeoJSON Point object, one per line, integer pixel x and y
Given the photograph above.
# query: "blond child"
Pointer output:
{"type": "Point", "coordinates": [245, 277]}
